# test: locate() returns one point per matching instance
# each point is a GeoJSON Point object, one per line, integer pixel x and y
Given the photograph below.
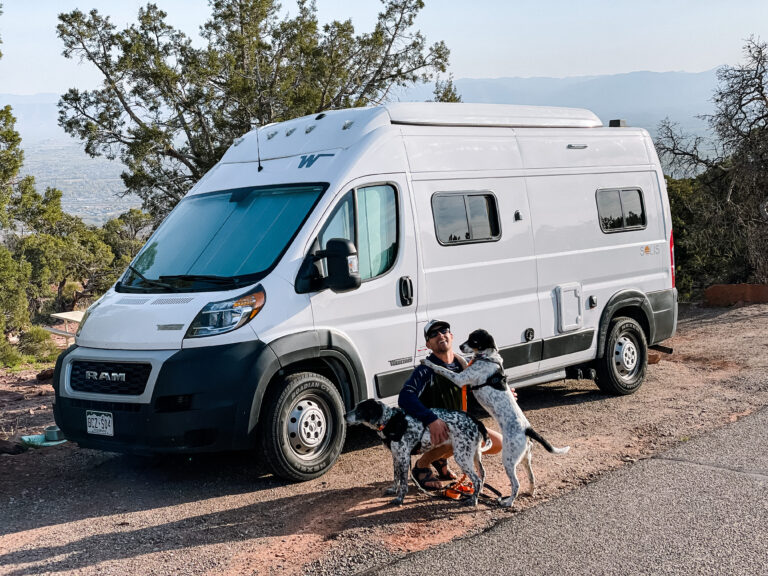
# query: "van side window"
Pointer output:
{"type": "Point", "coordinates": [620, 210]}
{"type": "Point", "coordinates": [461, 218]}
{"type": "Point", "coordinates": [367, 217]}
{"type": "Point", "coordinates": [341, 224]}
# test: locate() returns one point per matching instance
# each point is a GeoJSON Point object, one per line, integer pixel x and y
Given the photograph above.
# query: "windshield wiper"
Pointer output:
{"type": "Point", "coordinates": [219, 280]}
{"type": "Point", "coordinates": [157, 283]}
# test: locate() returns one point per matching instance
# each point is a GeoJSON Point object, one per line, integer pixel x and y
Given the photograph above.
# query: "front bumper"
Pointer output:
{"type": "Point", "coordinates": [196, 400]}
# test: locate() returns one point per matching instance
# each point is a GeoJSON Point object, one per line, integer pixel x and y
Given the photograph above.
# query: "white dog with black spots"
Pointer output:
{"type": "Point", "coordinates": [485, 377]}
{"type": "Point", "coordinates": [406, 435]}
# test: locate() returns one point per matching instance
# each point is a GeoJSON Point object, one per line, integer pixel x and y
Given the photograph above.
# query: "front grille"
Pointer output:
{"type": "Point", "coordinates": [109, 377]}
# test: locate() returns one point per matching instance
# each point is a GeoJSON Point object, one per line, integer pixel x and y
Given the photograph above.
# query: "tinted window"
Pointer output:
{"type": "Point", "coordinates": [609, 208]}
{"type": "Point", "coordinates": [620, 210]}
{"type": "Point", "coordinates": [371, 224]}
{"type": "Point", "coordinates": [632, 206]}
{"type": "Point", "coordinates": [450, 215]}
{"type": "Point", "coordinates": [483, 221]}
{"type": "Point", "coordinates": [465, 218]}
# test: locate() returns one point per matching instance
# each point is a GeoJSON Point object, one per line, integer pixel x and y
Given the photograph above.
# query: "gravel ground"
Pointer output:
{"type": "Point", "coordinates": [66, 510]}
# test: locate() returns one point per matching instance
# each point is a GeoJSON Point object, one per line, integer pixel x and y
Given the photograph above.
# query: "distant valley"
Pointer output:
{"type": "Point", "coordinates": [91, 186]}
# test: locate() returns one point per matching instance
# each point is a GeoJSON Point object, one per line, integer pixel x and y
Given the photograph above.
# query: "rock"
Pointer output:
{"type": "Point", "coordinates": [7, 447]}
{"type": "Point", "coordinates": [730, 294]}
{"type": "Point", "coordinates": [45, 375]}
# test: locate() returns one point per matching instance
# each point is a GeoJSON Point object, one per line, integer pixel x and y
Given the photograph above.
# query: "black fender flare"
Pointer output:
{"type": "Point", "coordinates": [309, 345]}
{"type": "Point", "coordinates": [624, 299]}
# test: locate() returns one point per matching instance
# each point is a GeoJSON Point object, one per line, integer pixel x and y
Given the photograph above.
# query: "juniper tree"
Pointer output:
{"type": "Point", "coordinates": [169, 110]}
{"type": "Point", "coordinates": [731, 168]}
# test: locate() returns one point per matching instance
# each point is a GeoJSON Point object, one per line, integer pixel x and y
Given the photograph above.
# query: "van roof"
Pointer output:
{"type": "Point", "coordinates": [342, 128]}
{"type": "Point", "coordinates": [503, 115]}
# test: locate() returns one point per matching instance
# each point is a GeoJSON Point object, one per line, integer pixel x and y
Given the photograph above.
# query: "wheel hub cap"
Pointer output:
{"type": "Point", "coordinates": [307, 427]}
{"type": "Point", "coordinates": [625, 357]}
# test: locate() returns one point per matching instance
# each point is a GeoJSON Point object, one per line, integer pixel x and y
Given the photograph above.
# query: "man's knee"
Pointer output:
{"type": "Point", "coordinates": [496, 442]}
{"type": "Point", "coordinates": [445, 451]}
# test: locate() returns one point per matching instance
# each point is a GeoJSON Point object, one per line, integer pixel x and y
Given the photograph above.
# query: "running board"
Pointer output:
{"type": "Point", "coordinates": [540, 379]}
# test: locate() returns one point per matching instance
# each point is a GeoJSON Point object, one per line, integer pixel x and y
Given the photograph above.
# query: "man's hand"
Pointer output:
{"type": "Point", "coordinates": [438, 432]}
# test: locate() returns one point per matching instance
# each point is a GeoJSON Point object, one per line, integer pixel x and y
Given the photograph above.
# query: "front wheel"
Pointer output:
{"type": "Point", "coordinates": [302, 428]}
{"type": "Point", "coordinates": [622, 368]}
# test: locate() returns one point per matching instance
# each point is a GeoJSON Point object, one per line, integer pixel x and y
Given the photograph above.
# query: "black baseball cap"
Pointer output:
{"type": "Point", "coordinates": [434, 325]}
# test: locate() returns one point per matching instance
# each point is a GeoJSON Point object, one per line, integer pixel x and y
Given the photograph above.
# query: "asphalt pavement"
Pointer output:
{"type": "Point", "coordinates": [700, 508]}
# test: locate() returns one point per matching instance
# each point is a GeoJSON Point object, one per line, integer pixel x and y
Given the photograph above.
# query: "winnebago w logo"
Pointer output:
{"type": "Point", "coordinates": [309, 159]}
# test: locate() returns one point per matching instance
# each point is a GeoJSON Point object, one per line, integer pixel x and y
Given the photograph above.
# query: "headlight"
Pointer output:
{"type": "Point", "coordinates": [227, 315]}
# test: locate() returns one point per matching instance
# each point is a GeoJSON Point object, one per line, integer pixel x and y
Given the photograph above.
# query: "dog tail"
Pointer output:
{"type": "Point", "coordinates": [484, 431]}
{"type": "Point", "coordinates": [531, 433]}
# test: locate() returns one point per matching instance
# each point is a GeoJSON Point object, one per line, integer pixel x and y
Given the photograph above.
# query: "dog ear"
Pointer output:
{"type": "Point", "coordinates": [491, 341]}
{"type": "Point", "coordinates": [396, 427]}
{"type": "Point", "coordinates": [371, 410]}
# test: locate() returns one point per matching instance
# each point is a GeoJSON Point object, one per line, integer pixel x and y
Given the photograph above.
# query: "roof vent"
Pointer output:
{"type": "Point", "coordinates": [271, 134]}
{"type": "Point", "coordinates": [617, 123]}
{"type": "Point", "coordinates": [320, 116]}
{"type": "Point", "coordinates": [347, 124]}
{"type": "Point", "coordinates": [309, 129]}
{"type": "Point", "coordinates": [290, 131]}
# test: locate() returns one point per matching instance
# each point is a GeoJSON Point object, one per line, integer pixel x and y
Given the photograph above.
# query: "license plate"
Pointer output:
{"type": "Point", "coordinates": [99, 423]}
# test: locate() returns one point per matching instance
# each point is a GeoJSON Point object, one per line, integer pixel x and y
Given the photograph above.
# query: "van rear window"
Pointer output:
{"type": "Point", "coordinates": [621, 210]}
{"type": "Point", "coordinates": [465, 217]}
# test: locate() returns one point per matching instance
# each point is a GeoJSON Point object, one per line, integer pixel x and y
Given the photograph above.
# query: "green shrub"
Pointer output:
{"type": "Point", "coordinates": [10, 357]}
{"type": "Point", "coordinates": [36, 342]}
{"type": "Point", "coordinates": [68, 293]}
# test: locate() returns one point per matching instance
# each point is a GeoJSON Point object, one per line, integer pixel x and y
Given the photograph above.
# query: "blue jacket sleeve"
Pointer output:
{"type": "Point", "coordinates": [409, 396]}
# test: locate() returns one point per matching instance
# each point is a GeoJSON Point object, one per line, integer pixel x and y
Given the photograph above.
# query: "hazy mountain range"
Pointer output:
{"type": "Point", "coordinates": [641, 98]}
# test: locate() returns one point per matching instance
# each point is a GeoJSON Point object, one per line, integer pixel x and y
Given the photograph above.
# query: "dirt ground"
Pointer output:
{"type": "Point", "coordinates": [66, 510]}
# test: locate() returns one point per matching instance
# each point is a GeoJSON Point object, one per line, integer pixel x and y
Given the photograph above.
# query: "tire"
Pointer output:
{"type": "Point", "coordinates": [622, 368]}
{"type": "Point", "coordinates": [302, 427]}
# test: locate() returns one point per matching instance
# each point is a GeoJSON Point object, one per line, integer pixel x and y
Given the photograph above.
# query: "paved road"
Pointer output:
{"type": "Point", "coordinates": [701, 508]}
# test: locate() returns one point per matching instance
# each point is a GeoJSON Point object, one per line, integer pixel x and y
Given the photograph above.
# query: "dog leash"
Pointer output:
{"type": "Point", "coordinates": [461, 490]}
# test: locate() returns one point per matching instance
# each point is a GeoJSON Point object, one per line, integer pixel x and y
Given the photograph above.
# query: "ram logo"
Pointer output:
{"type": "Point", "coordinates": [109, 376]}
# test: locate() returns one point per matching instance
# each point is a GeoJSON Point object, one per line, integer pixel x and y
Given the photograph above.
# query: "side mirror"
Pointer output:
{"type": "Point", "coordinates": [342, 264]}
{"type": "Point", "coordinates": [336, 268]}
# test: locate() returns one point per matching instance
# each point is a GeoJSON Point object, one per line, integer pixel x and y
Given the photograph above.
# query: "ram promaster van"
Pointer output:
{"type": "Point", "coordinates": [296, 277]}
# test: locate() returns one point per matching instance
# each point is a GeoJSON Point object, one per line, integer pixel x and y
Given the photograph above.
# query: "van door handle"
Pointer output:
{"type": "Point", "coordinates": [406, 291]}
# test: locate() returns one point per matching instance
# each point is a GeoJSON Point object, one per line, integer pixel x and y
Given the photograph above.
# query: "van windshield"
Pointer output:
{"type": "Point", "coordinates": [221, 240]}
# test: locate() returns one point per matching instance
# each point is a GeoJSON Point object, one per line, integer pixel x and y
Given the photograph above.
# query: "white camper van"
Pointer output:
{"type": "Point", "coordinates": [296, 277]}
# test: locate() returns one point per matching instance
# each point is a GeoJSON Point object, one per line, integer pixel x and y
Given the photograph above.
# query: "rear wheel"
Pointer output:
{"type": "Point", "coordinates": [622, 368]}
{"type": "Point", "coordinates": [302, 428]}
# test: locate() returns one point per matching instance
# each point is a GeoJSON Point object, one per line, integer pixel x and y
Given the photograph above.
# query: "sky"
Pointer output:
{"type": "Point", "coordinates": [487, 38]}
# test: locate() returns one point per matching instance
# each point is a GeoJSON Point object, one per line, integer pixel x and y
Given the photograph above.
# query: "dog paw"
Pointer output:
{"type": "Point", "coordinates": [506, 502]}
{"type": "Point", "coordinates": [390, 491]}
{"type": "Point", "coordinates": [396, 501]}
